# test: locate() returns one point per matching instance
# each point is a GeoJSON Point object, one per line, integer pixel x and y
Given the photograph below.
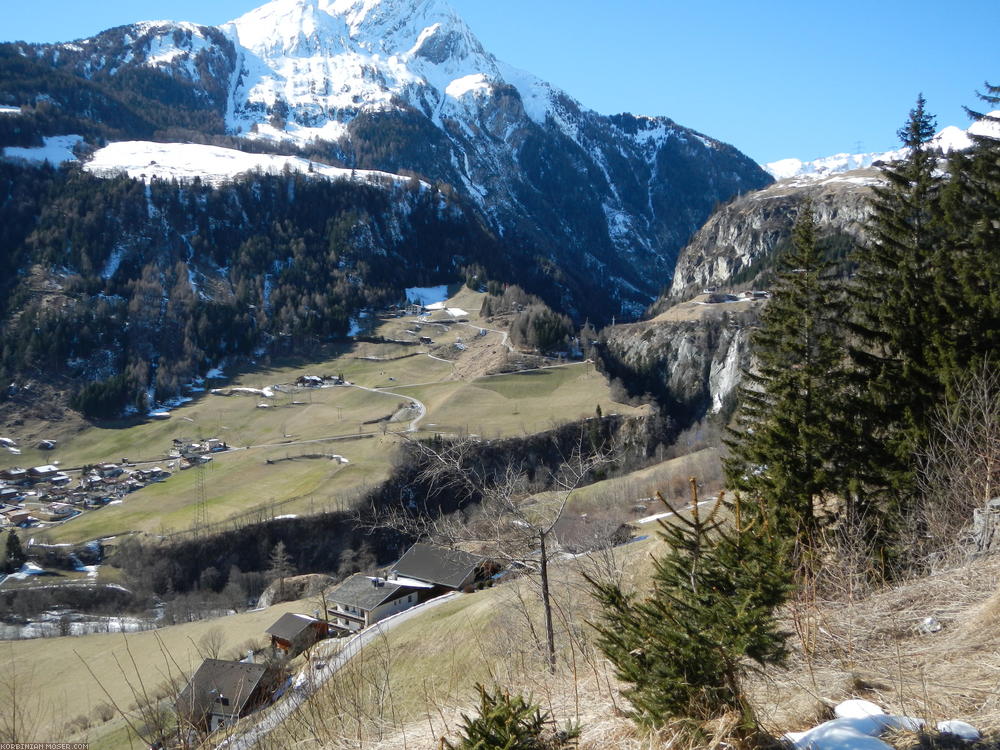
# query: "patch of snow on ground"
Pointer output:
{"type": "Point", "coordinates": [215, 372]}
{"type": "Point", "coordinates": [428, 295]}
{"type": "Point", "coordinates": [5, 110]}
{"type": "Point", "coordinates": [857, 709]}
{"type": "Point", "coordinates": [57, 149]}
{"type": "Point", "coordinates": [28, 569]}
{"type": "Point", "coordinates": [111, 265]}
{"type": "Point", "coordinates": [960, 729]}
{"type": "Point", "coordinates": [860, 725]}
{"type": "Point", "coordinates": [212, 164]}
{"type": "Point", "coordinates": [536, 95]}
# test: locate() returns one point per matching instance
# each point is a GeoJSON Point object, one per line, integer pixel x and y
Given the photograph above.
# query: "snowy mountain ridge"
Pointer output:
{"type": "Point", "coordinates": [949, 139]}
{"type": "Point", "coordinates": [602, 204]}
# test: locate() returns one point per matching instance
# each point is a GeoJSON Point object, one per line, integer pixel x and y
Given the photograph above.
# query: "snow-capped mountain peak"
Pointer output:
{"type": "Point", "coordinates": [322, 56]}
{"type": "Point", "coordinates": [405, 87]}
{"type": "Point", "coordinates": [949, 139]}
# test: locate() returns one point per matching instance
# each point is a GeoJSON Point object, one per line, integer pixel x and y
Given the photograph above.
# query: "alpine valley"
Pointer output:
{"type": "Point", "coordinates": [454, 165]}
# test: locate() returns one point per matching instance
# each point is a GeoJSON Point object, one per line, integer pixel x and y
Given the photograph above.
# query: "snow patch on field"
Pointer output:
{"type": "Point", "coordinates": [427, 295]}
{"type": "Point", "coordinates": [860, 723]}
{"type": "Point", "coordinates": [212, 164]}
{"type": "Point", "coordinates": [57, 149]}
{"type": "Point", "coordinates": [28, 569]}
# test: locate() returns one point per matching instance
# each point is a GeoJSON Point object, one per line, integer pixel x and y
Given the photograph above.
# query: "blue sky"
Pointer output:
{"type": "Point", "coordinates": [776, 78]}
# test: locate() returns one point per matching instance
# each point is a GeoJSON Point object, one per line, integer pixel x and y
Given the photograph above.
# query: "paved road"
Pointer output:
{"type": "Point", "coordinates": [421, 409]}
{"type": "Point", "coordinates": [271, 718]}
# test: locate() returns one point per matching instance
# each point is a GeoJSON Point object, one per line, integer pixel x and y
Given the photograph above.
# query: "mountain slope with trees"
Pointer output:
{"type": "Point", "coordinates": [600, 204]}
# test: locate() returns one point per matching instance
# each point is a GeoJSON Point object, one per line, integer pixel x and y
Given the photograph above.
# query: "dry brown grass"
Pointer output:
{"type": "Point", "coordinates": [411, 689]}
{"type": "Point", "coordinates": [932, 740]}
{"type": "Point", "coordinates": [872, 646]}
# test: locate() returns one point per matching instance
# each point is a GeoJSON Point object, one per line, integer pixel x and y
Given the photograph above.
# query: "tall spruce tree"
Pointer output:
{"type": "Point", "coordinates": [896, 315]}
{"type": "Point", "coordinates": [686, 649]}
{"type": "Point", "coordinates": [788, 447]}
{"type": "Point", "coordinates": [968, 276]}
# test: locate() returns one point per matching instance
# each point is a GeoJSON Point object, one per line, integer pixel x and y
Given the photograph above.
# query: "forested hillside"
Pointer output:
{"type": "Point", "coordinates": [131, 290]}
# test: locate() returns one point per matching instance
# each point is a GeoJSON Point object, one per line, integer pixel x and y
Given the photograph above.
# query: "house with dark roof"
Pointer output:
{"type": "Point", "coordinates": [15, 474]}
{"type": "Point", "coordinates": [221, 692]}
{"type": "Point", "coordinates": [444, 569]}
{"type": "Point", "coordinates": [294, 633]}
{"type": "Point", "coordinates": [360, 601]}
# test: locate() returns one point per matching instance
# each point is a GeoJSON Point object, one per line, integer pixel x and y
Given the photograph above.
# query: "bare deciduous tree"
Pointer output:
{"type": "Point", "coordinates": [960, 469]}
{"type": "Point", "coordinates": [210, 645]}
{"type": "Point", "coordinates": [508, 523]}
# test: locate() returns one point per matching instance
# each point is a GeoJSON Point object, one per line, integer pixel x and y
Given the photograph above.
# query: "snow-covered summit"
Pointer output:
{"type": "Point", "coordinates": [949, 139]}
{"type": "Point", "coordinates": [405, 87]}
{"type": "Point", "coordinates": [324, 60]}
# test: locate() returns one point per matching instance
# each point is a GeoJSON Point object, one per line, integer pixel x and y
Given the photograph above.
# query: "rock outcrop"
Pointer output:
{"type": "Point", "coordinates": [690, 356]}
{"type": "Point", "coordinates": [736, 247]}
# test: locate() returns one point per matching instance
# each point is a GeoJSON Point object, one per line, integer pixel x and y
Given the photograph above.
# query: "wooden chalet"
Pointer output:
{"type": "Point", "coordinates": [294, 633]}
{"type": "Point", "coordinates": [221, 692]}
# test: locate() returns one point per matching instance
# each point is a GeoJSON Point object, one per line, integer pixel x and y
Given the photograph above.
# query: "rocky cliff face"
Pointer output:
{"type": "Point", "coordinates": [692, 351]}
{"type": "Point", "coordinates": [690, 356]}
{"type": "Point", "coordinates": [735, 249]}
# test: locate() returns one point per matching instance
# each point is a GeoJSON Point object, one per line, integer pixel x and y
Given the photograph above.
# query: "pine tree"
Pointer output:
{"type": "Point", "coordinates": [791, 428]}
{"type": "Point", "coordinates": [14, 556]}
{"type": "Point", "coordinates": [686, 649]}
{"type": "Point", "coordinates": [507, 722]}
{"type": "Point", "coordinates": [969, 268]}
{"type": "Point", "coordinates": [896, 314]}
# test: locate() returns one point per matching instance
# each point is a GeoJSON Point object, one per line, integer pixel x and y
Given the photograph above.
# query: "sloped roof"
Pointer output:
{"type": "Point", "coordinates": [223, 687]}
{"type": "Point", "coordinates": [362, 592]}
{"type": "Point", "coordinates": [444, 567]}
{"type": "Point", "coordinates": [290, 626]}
